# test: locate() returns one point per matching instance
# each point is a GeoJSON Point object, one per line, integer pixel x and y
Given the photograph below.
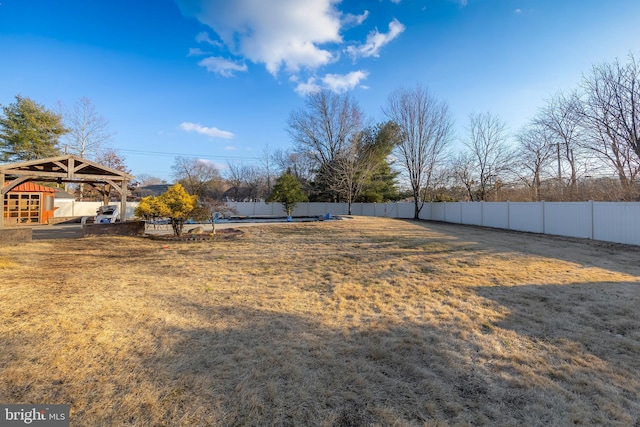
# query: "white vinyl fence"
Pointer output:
{"type": "Point", "coordinates": [617, 222]}
{"type": "Point", "coordinates": [69, 207]}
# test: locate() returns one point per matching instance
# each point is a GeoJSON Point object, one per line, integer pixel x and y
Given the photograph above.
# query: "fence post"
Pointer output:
{"type": "Point", "coordinates": [544, 214]}
{"type": "Point", "coordinates": [592, 220]}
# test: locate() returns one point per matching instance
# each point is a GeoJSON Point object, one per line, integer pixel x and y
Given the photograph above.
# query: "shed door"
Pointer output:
{"type": "Point", "coordinates": [23, 208]}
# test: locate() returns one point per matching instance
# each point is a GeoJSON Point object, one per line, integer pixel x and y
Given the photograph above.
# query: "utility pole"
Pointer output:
{"type": "Point", "coordinates": [560, 171]}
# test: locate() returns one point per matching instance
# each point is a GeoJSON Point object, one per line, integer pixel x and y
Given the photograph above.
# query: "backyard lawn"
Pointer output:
{"type": "Point", "coordinates": [358, 322]}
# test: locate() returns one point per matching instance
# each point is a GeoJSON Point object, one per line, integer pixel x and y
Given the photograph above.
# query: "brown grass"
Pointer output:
{"type": "Point", "coordinates": [348, 323]}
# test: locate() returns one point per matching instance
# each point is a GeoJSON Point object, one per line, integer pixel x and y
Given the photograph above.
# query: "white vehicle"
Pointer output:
{"type": "Point", "coordinates": [107, 214]}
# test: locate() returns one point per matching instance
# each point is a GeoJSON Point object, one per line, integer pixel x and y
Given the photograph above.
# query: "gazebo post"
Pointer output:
{"type": "Point", "coordinates": [106, 194]}
{"type": "Point", "coordinates": [3, 196]}
{"type": "Point", "coordinates": [123, 201]}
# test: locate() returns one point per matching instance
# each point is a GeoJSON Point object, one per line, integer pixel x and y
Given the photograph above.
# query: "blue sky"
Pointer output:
{"type": "Point", "coordinates": [218, 79]}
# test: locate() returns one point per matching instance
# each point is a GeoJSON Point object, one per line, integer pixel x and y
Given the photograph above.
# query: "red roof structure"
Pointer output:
{"type": "Point", "coordinates": [32, 187]}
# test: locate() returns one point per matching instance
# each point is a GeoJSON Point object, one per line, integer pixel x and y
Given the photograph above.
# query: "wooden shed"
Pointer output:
{"type": "Point", "coordinates": [28, 204]}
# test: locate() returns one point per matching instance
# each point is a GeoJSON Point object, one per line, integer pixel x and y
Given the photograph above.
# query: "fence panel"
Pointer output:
{"type": "Point", "coordinates": [453, 212]}
{"type": "Point", "coordinates": [74, 208]}
{"type": "Point", "coordinates": [316, 209]}
{"type": "Point", "coordinates": [617, 222]}
{"type": "Point", "coordinates": [571, 219]}
{"type": "Point", "coordinates": [433, 211]}
{"type": "Point", "coordinates": [405, 210]}
{"type": "Point", "coordinates": [471, 213]}
{"type": "Point", "coordinates": [64, 208]}
{"type": "Point", "coordinates": [391, 210]}
{"type": "Point", "coordinates": [368, 209]}
{"type": "Point", "coordinates": [262, 208]}
{"type": "Point", "coordinates": [356, 209]}
{"type": "Point", "coordinates": [524, 216]}
{"type": "Point", "coordinates": [495, 214]}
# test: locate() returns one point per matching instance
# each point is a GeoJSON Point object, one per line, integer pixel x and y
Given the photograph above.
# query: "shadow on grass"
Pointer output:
{"type": "Point", "coordinates": [242, 366]}
{"type": "Point", "coordinates": [274, 369]}
{"type": "Point", "coordinates": [589, 334]}
{"type": "Point", "coordinates": [252, 367]}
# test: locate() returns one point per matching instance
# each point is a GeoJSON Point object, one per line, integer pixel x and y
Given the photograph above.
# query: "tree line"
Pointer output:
{"type": "Point", "coordinates": [583, 144]}
{"type": "Point", "coordinates": [580, 145]}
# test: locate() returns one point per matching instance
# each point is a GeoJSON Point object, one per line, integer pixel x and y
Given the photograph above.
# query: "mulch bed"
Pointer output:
{"type": "Point", "coordinates": [226, 234]}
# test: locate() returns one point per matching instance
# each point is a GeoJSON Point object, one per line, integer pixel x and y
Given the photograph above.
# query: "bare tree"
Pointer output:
{"type": "Point", "coordinates": [326, 124]}
{"type": "Point", "coordinates": [110, 158]}
{"type": "Point", "coordinates": [354, 165]}
{"type": "Point", "coordinates": [235, 178]}
{"type": "Point", "coordinates": [148, 179]}
{"type": "Point", "coordinates": [462, 170]}
{"type": "Point", "coordinates": [612, 117]}
{"type": "Point", "coordinates": [562, 117]}
{"type": "Point", "coordinates": [492, 158]}
{"type": "Point", "coordinates": [267, 164]}
{"type": "Point", "coordinates": [254, 181]}
{"type": "Point", "coordinates": [195, 175]}
{"type": "Point", "coordinates": [322, 130]}
{"type": "Point", "coordinates": [426, 129]}
{"type": "Point", "coordinates": [89, 130]}
{"type": "Point", "coordinates": [534, 155]}
{"type": "Point", "coordinates": [298, 164]}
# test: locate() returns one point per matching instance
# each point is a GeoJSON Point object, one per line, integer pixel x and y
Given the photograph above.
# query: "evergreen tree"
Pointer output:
{"type": "Point", "coordinates": [28, 131]}
{"type": "Point", "coordinates": [381, 185]}
{"type": "Point", "coordinates": [287, 192]}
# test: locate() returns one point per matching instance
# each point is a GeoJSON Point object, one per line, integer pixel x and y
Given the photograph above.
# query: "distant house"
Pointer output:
{"type": "Point", "coordinates": [240, 194]}
{"type": "Point", "coordinates": [64, 195]}
{"type": "Point", "coordinates": [149, 190]}
{"type": "Point", "coordinates": [29, 203]}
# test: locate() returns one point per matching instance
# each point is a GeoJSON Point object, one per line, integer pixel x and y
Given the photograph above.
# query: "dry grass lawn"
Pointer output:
{"type": "Point", "coordinates": [363, 322]}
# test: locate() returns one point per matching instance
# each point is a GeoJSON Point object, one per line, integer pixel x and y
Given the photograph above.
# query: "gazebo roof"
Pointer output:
{"type": "Point", "coordinates": [66, 168]}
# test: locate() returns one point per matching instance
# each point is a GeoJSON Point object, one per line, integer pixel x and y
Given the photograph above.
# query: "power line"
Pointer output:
{"type": "Point", "coordinates": [170, 154]}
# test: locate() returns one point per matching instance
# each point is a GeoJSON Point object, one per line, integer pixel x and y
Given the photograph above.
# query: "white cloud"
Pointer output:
{"type": "Point", "coordinates": [196, 51]}
{"type": "Point", "coordinates": [280, 34]}
{"type": "Point", "coordinates": [222, 66]}
{"type": "Point", "coordinates": [354, 20]}
{"type": "Point", "coordinates": [297, 37]}
{"type": "Point", "coordinates": [340, 83]}
{"type": "Point", "coordinates": [376, 40]}
{"type": "Point", "coordinates": [209, 131]}
{"type": "Point", "coordinates": [203, 37]}
{"type": "Point", "coordinates": [310, 86]}
{"type": "Point", "coordinates": [517, 11]}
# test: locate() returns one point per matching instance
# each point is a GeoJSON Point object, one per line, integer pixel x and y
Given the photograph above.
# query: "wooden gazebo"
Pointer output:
{"type": "Point", "coordinates": [68, 168]}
